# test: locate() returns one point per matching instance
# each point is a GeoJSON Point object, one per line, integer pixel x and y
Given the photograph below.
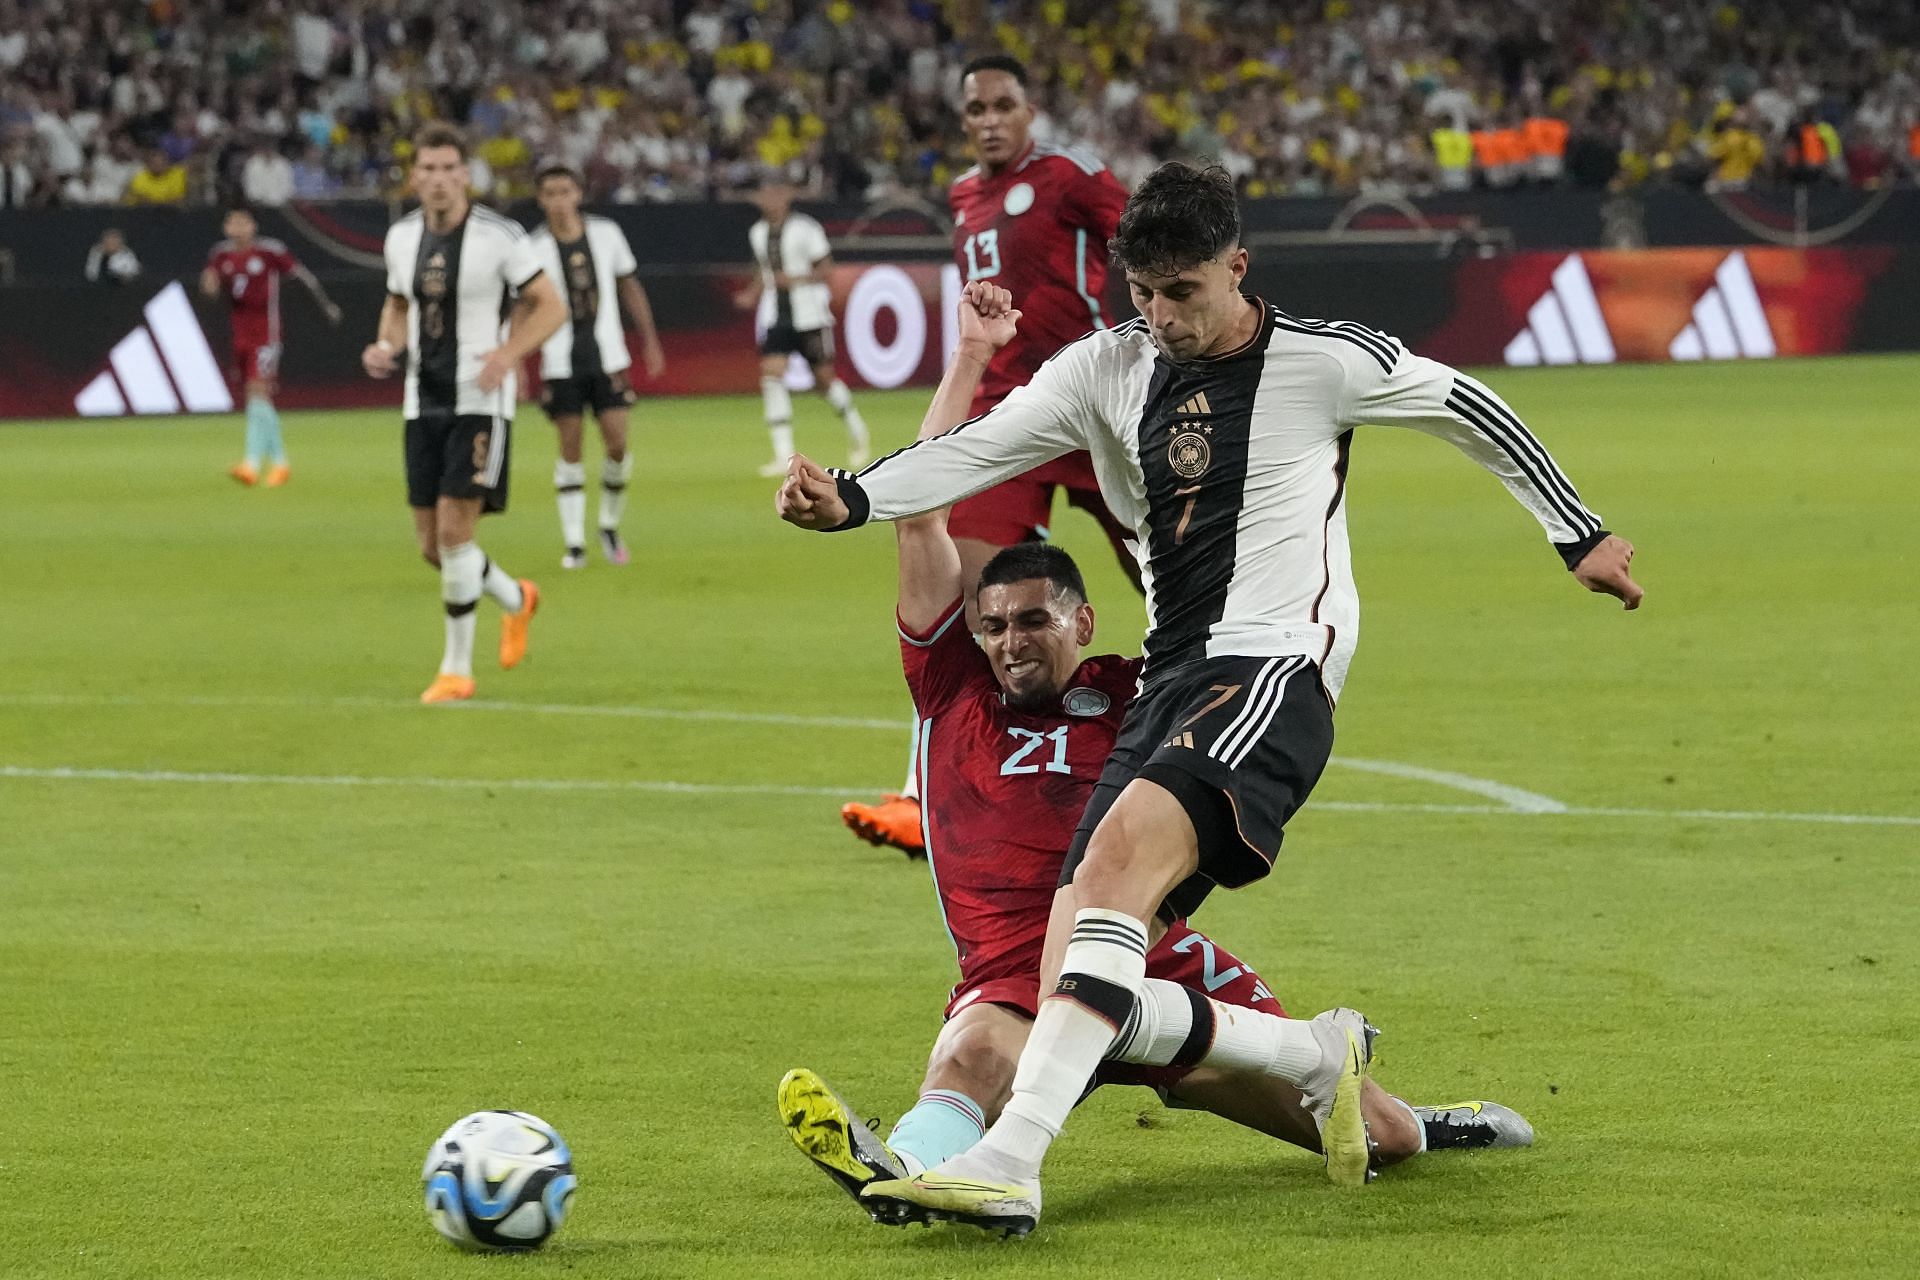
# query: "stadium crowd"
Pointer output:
{"type": "Point", "coordinates": [166, 101]}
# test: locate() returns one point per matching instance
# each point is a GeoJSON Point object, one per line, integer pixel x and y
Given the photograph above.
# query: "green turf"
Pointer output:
{"type": "Point", "coordinates": [233, 1016]}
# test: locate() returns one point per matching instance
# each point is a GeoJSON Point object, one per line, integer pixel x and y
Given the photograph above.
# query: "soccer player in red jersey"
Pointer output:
{"type": "Point", "coordinates": [1033, 219]}
{"type": "Point", "coordinates": [1014, 733]}
{"type": "Point", "coordinates": [245, 268]}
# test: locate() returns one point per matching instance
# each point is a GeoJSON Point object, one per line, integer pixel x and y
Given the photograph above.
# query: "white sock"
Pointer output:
{"type": "Point", "coordinates": [911, 790]}
{"type": "Point", "coordinates": [501, 585]}
{"type": "Point", "coordinates": [779, 410]}
{"type": "Point", "coordinates": [842, 401]}
{"type": "Point", "coordinates": [461, 569]}
{"type": "Point", "coordinates": [613, 490]}
{"type": "Point", "coordinates": [1100, 977]}
{"type": "Point", "coordinates": [569, 480]}
{"type": "Point", "coordinates": [1231, 1038]}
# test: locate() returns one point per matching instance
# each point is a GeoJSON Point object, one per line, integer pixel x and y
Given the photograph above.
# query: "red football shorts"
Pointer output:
{"type": "Point", "coordinates": [256, 362]}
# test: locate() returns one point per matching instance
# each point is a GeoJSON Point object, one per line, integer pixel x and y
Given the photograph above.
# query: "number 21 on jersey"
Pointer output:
{"type": "Point", "coordinates": [1030, 744]}
{"type": "Point", "coordinates": [983, 254]}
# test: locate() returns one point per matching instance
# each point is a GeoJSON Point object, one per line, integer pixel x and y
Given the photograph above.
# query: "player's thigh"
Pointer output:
{"type": "Point", "coordinates": [570, 430]}
{"type": "Point", "coordinates": [977, 1053]}
{"type": "Point", "coordinates": [456, 519]}
{"type": "Point", "coordinates": [426, 534]}
{"type": "Point", "coordinates": [1144, 846]}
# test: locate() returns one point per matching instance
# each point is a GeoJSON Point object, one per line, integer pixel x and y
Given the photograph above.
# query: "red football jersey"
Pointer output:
{"type": "Point", "coordinates": [1038, 229]}
{"type": "Point", "coordinates": [251, 280]}
{"type": "Point", "coordinates": [1001, 790]}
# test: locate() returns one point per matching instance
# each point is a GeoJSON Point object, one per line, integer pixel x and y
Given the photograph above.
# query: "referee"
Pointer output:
{"type": "Point", "coordinates": [1220, 429]}
{"type": "Point", "coordinates": [452, 266]}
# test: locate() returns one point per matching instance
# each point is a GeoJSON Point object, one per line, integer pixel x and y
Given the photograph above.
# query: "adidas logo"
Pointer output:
{"type": "Point", "coordinates": [163, 366]}
{"type": "Point", "coordinates": [1196, 405]}
{"type": "Point", "coordinates": [1728, 321]}
{"type": "Point", "coordinates": [1565, 326]}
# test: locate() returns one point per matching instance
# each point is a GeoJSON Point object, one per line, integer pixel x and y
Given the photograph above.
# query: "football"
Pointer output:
{"type": "Point", "coordinates": [498, 1181]}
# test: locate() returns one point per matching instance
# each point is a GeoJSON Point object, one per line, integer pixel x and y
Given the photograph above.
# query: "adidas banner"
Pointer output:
{"type": "Point", "coordinates": [157, 349]}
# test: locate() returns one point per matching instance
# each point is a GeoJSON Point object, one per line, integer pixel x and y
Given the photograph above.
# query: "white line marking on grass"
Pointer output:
{"type": "Point", "coordinates": [66, 774]}
{"type": "Point", "coordinates": [665, 787]}
{"type": "Point", "coordinates": [1513, 797]}
{"type": "Point", "coordinates": [702, 714]}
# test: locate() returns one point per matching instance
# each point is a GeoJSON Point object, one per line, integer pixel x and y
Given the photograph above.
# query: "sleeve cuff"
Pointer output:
{"type": "Point", "coordinates": [858, 506]}
{"type": "Point", "coordinates": [1574, 552]}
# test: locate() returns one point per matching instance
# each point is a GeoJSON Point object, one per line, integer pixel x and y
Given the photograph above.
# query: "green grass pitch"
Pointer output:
{"type": "Point", "coordinates": [235, 1011]}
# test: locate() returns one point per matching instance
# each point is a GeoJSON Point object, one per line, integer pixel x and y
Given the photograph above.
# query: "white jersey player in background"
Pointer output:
{"type": "Point", "coordinates": [584, 364]}
{"type": "Point", "coordinates": [795, 313]}
{"type": "Point", "coordinates": [451, 267]}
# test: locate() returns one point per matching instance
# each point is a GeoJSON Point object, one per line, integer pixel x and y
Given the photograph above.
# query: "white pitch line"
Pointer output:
{"type": "Point", "coordinates": [665, 787]}
{"type": "Point", "coordinates": [702, 714]}
{"type": "Point", "coordinates": [68, 774]}
{"type": "Point", "coordinates": [1512, 797]}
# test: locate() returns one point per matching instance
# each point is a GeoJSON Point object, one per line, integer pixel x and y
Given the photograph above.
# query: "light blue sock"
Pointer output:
{"type": "Point", "coordinates": [256, 434]}
{"type": "Point", "coordinates": [269, 430]}
{"type": "Point", "coordinates": [940, 1126]}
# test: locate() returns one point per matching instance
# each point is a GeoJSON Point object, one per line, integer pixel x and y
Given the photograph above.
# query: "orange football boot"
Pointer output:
{"type": "Point", "coordinates": [513, 626]}
{"type": "Point", "coordinates": [244, 473]}
{"type": "Point", "coordinates": [278, 475]}
{"type": "Point", "coordinates": [448, 688]}
{"type": "Point", "coordinates": [894, 822]}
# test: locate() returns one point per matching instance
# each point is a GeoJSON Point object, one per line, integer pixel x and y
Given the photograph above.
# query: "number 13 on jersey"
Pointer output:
{"type": "Point", "coordinates": [983, 255]}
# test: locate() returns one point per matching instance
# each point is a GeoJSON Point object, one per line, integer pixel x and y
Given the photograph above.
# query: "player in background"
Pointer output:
{"type": "Point", "coordinates": [1034, 220]}
{"type": "Point", "coordinates": [245, 269]}
{"type": "Point", "coordinates": [795, 310]}
{"type": "Point", "coordinates": [452, 267]}
{"type": "Point", "coordinates": [584, 364]}
{"type": "Point", "coordinates": [1220, 427]}
{"type": "Point", "coordinates": [1017, 729]}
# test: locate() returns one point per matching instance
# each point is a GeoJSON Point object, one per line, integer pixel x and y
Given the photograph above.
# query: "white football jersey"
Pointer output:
{"type": "Point", "coordinates": [1232, 473]}
{"type": "Point", "coordinates": [802, 243]}
{"type": "Point", "coordinates": [457, 287]}
{"type": "Point", "coordinates": [595, 341]}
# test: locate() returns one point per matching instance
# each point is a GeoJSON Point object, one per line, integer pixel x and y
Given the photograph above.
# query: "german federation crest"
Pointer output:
{"type": "Point", "coordinates": [1189, 455]}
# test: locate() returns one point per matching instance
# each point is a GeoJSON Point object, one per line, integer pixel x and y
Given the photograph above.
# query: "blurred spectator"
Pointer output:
{"type": "Point", "coordinates": [309, 178]}
{"type": "Point", "coordinates": [675, 99]}
{"type": "Point", "coordinates": [111, 261]}
{"type": "Point", "coordinates": [267, 178]}
{"type": "Point", "coordinates": [159, 181]}
{"type": "Point", "coordinates": [17, 183]}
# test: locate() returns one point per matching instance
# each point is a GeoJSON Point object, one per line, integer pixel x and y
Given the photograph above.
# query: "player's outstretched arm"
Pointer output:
{"type": "Point", "coordinates": [313, 286]}
{"type": "Point", "coordinates": [929, 562]}
{"type": "Point", "coordinates": [382, 355]}
{"type": "Point", "coordinates": [634, 297]}
{"type": "Point", "coordinates": [1390, 386]}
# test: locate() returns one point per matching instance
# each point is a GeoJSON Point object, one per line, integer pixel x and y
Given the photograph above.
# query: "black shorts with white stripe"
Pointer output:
{"type": "Point", "coordinates": [1240, 742]}
{"type": "Point", "coordinates": [463, 456]}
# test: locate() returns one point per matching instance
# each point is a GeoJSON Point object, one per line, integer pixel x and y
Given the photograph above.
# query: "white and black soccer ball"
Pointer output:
{"type": "Point", "coordinates": [498, 1180]}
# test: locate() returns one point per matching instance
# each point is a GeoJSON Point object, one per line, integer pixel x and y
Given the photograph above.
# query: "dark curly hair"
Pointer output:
{"type": "Point", "coordinates": [1180, 217]}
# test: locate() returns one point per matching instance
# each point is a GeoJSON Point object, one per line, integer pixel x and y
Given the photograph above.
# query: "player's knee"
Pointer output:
{"type": "Point", "coordinates": [976, 1062]}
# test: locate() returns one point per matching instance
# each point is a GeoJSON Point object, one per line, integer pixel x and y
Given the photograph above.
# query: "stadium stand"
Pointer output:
{"type": "Point", "coordinates": [116, 101]}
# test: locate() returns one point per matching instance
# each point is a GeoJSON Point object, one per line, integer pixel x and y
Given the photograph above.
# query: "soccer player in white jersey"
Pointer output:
{"type": "Point", "coordinates": [584, 365]}
{"type": "Point", "coordinates": [1219, 427]}
{"type": "Point", "coordinates": [451, 268]}
{"type": "Point", "coordinates": [796, 316]}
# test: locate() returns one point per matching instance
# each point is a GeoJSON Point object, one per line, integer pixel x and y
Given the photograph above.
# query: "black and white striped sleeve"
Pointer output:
{"type": "Point", "coordinates": [1413, 391]}
{"type": "Point", "coordinates": [1036, 423]}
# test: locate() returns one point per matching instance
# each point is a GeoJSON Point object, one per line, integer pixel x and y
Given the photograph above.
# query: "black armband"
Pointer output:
{"type": "Point", "coordinates": [858, 506]}
{"type": "Point", "coordinates": [1574, 552]}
